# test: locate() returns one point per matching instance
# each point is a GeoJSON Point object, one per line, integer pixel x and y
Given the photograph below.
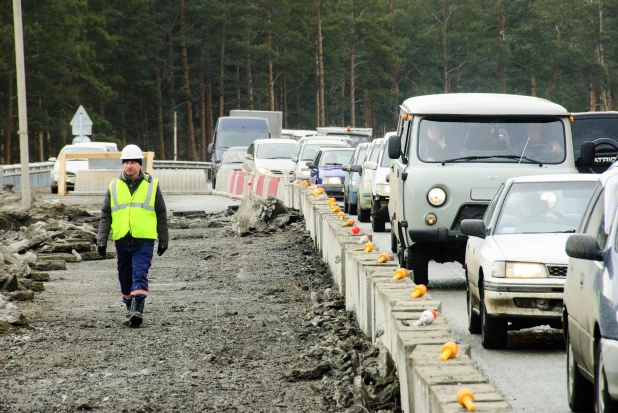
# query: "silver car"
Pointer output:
{"type": "Point", "coordinates": [590, 314]}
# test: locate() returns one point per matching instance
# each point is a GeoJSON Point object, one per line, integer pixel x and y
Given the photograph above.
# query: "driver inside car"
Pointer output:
{"type": "Point", "coordinates": [529, 208]}
{"type": "Point", "coordinates": [541, 147]}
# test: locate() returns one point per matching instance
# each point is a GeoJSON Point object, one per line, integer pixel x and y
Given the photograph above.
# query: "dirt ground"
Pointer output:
{"type": "Point", "coordinates": [231, 325]}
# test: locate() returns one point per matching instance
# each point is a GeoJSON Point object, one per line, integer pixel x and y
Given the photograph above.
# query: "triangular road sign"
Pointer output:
{"type": "Point", "coordinates": [81, 122]}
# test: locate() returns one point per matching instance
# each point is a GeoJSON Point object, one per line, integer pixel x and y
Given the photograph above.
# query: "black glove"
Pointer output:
{"type": "Point", "coordinates": [101, 250]}
{"type": "Point", "coordinates": [161, 249]}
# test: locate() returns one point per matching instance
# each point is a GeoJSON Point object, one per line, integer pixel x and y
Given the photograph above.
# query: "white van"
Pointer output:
{"type": "Point", "coordinates": [451, 154]}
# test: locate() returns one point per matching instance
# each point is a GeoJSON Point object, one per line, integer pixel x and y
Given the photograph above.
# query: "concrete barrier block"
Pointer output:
{"type": "Point", "coordinates": [425, 377]}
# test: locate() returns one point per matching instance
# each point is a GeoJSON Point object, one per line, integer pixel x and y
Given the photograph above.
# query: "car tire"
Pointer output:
{"type": "Point", "coordinates": [214, 183]}
{"type": "Point", "coordinates": [54, 188]}
{"type": "Point", "coordinates": [494, 334]}
{"type": "Point", "coordinates": [418, 262]}
{"type": "Point", "coordinates": [603, 401]}
{"type": "Point", "coordinates": [364, 215]}
{"type": "Point", "coordinates": [346, 205]}
{"type": "Point", "coordinates": [474, 320]}
{"type": "Point", "coordinates": [378, 225]}
{"type": "Point", "coordinates": [353, 209]}
{"type": "Point", "coordinates": [580, 391]}
{"type": "Point", "coordinates": [394, 243]}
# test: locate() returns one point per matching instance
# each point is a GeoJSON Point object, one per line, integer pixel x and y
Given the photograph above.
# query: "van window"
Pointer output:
{"type": "Point", "coordinates": [492, 140]}
{"type": "Point", "coordinates": [228, 138]}
{"type": "Point", "coordinates": [386, 161]}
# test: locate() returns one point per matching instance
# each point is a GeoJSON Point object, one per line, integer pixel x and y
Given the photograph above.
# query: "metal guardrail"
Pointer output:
{"type": "Point", "coordinates": [40, 175]}
{"type": "Point", "coordinates": [40, 172]}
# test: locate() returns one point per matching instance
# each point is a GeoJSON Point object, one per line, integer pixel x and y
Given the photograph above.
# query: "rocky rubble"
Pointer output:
{"type": "Point", "coordinates": [42, 238]}
{"type": "Point", "coordinates": [261, 215]}
{"type": "Point", "coordinates": [357, 375]}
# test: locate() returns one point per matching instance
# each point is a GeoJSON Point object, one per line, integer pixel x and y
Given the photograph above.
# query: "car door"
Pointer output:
{"type": "Point", "coordinates": [314, 174]}
{"type": "Point", "coordinates": [583, 311]}
{"type": "Point", "coordinates": [398, 166]}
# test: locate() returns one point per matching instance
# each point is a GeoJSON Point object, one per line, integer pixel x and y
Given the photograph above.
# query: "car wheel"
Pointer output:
{"type": "Point", "coordinates": [579, 390]}
{"type": "Point", "coordinates": [346, 205]}
{"type": "Point", "coordinates": [364, 214]}
{"type": "Point", "coordinates": [378, 225]}
{"type": "Point", "coordinates": [353, 209]}
{"type": "Point", "coordinates": [603, 401]}
{"type": "Point", "coordinates": [494, 334]}
{"type": "Point", "coordinates": [474, 320]}
{"type": "Point", "coordinates": [214, 183]}
{"type": "Point", "coordinates": [54, 189]}
{"type": "Point", "coordinates": [418, 262]}
{"type": "Point", "coordinates": [394, 243]}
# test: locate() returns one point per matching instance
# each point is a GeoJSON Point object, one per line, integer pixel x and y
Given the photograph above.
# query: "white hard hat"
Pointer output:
{"type": "Point", "coordinates": [131, 152]}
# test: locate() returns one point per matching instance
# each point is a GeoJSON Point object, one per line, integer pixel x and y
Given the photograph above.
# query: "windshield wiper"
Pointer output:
{"type": "Point", "coordinates": [474, 158]}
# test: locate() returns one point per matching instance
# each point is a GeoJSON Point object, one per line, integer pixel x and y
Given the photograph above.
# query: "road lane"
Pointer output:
{"type": "Point", "coordinates": [530, 374]}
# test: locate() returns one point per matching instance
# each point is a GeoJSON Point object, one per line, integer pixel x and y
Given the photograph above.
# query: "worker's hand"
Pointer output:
{"type": "Point", "coordinates": [162, 248]}
{"type": "Point", "coordinates": [101, 249]}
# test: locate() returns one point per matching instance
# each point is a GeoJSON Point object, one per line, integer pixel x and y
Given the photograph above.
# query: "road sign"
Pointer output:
{"type": "Point", "coordinates": [81, 122]}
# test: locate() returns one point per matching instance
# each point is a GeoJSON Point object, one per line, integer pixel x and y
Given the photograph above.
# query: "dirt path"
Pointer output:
{"type": "Point", "coordinates": [227, 321]}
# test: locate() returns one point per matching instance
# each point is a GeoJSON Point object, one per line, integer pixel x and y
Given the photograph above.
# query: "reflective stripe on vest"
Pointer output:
{"type": "Point", "coordinates": [133, 214]}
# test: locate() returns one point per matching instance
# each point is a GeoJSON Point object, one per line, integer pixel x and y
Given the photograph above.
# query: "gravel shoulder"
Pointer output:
{"type": "Point", "coordinates": [231, 324]}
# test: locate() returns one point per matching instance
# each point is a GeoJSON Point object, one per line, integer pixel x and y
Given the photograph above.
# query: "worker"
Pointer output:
{"type": "Point", "coordinates": [134, 210]}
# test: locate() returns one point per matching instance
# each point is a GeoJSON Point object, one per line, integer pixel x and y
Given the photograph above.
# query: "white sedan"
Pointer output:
{"type": "Point", "coordinates": [515, 258]}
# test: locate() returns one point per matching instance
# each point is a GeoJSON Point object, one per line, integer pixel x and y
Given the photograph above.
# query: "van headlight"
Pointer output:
{"type": "Point", "coordinates": [331, 180]}
{"type": "Point", "coordinates": [436, 196]}
{"type": "Point", "coordinates": [525, 270]}
{"type": "Point", "coordinates": [383, 189]}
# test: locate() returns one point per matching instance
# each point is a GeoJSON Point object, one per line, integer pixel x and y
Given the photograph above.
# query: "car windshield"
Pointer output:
{"type": "Point", "coordinates": [360, 156]}
{"type": "Point", "coordinates": [234, 155]}
{"type": "Point", "coordinates": [336, 158]}
{"type": "Point", "coordinates": [492, 140]}
{"type": "Point", "coordinates": [310, 149]}
{"type": "Point", "coordinates": [228, 138]}
{"type": "Point", "coordinates": [83, 150]}
{"type": "Point", "coordinates": [375, 151]}
{"type": "Point", "coordinates": [277, 150]}
{"type": "Point", "coordinates": [386, 161]}
{"type": "Point", "coordinates": [543, 207]}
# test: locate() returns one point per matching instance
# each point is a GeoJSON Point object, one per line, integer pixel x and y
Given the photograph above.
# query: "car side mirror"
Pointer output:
{"type": "Point", "coordinates": [346, 167]}
{"type": "Point", "coordinates": [584, 247]}
{"type": "Point", "coordinates": [294, 159]}
{"type": "Point", "coordinates": [370, 165]}
{"type": "Point", "coordinates": [394, 147]}
{"type": "Point", "coordinates": [209, 147]}
{"type": "Point", "coordinates": [52, 159]}
{"type": "Point", "coordinates": [310, 165]}
{"type": "Point", "coordinates": [249, 157]}
{"type": "Point", "coordinates": [356, 168]}
{"type": "Point", "coordinates": [473, 228]}
{"type": "Point", "coordinates": [587, 154]}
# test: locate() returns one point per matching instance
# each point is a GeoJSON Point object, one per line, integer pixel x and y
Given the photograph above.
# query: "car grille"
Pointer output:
{"type": "Point", "coordinates": [276, 172]}
{"type": "Point", "coordinates": [468, 211]}
{"type": "Point", "coordinates": [558, 271]}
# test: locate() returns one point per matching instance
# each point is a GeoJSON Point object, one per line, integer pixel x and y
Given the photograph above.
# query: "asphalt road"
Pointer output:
{"type": "Point", "coordinates": [530, 374]}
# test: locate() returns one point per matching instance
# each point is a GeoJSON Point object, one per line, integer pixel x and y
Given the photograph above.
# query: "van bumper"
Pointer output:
{"type": "Point", "coordinates": [437, 235]}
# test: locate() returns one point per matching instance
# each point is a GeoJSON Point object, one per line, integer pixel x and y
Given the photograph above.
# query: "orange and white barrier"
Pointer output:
{"type": "Point", "coordinates": [238, 184]}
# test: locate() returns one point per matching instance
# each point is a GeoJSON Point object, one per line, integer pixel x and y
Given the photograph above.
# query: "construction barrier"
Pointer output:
{"type": "Point", "coordinates": [386, 313]}
{"type": "Point", "coordinates": [237, 184]}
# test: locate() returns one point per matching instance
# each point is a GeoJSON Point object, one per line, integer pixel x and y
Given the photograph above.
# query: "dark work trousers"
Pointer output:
{"type": "Point", "coordinates": [134, 261]}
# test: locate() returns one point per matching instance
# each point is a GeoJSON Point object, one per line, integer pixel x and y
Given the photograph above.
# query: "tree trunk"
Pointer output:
{"type": "Point", "coordinates": [170, 64]}
{"type": "Point", "coordinates": [48, 144]}
{"type": "Point", "coordinates": [203, 126]}
{"type": "Point", "coordinates": [317, 92]}
{"type": "Point", "coordinates": [593, 98]}
{"type": "Point", "coordinates": [502, 58]}
{"type": "Point", "coordinates": [533, 86]}
{"type": "Point", "coordinates": [321, 68]}
{"type": "Point", "coordinates": [238, 105]}
{"type": "Point", "coordinates": [298, 124]}
{"type": "Point", "coordinates": [248, 66]}
{"type": "Point", "coordinates": [209, 119]}
{"type": "Point", "coordinates": [284, 98]}
{"type": "Point", "coordinates": [222, 72]}
{"type": "Point", "coordinates": [160, 134]}
{"type": "Point", "coordinates": [271, 83]}
{"type": "Point", "coordinates": [185, 66]}
{"type": "Point", "coordinates": [367, 109]}
{"type": "Point", "coordinates": [9, 123]}
{"type": "Point", "coordinates": [394, 68]}
{"type": "Point", "coordinates": [352, 67]}
{"type": "Point", "coordinates": [445, 46]}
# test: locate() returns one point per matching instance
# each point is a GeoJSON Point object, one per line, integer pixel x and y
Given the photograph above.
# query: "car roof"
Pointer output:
{"type": "Point", "coordinates": [88, 145]}
{"type": "Point", "coordinates": [238, 148]}
{"type": "Point", "coordinates": [606, 114]}
{"type": "Point", "coordinates": [335, 149]}
{"type": "Point", "coordinates": [556, 178]}
{"type": "Point", "coordinates": [482, 104]}
{"type": "Point", "coordinates": [274, 141]}
{"type": "Point", "coordinates": [324, 141]}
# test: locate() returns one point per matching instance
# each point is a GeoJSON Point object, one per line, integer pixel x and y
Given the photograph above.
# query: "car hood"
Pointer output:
{"type": "Point", "coordinates": [332, 171]}
{"type": "Point", "coordinates": [219, 154]}
{"type": "Point", "coordinates": [286, 166]}
{"type": "Point", "coordinates": [546, 248]}
{"type": "Point", "coordinates": [72, 165]}
{"type": "Point", "coordinates": [235, 166]}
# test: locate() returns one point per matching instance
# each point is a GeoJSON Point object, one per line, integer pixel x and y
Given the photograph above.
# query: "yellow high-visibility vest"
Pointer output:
{"type": "Point", "coordinates": [133, 214]}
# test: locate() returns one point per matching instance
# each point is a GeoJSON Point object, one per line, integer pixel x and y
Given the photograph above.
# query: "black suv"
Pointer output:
{"type": "Point", "coordinates": [598, 131]}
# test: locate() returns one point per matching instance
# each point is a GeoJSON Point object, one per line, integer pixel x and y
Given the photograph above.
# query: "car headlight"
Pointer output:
{"type": "Point", "coordinates": [367, 185]}
{"type": "Point", "coordinates": [525, 270]}
{"type": "Point", "coordinates": [331, 180]}
{"type": "Point", "coordinates": [305, 172]}
{"type": "Point", "coordinates": [264, 171]}
{"type": "Point", "coordinates": [218, 163]}
{"type": "Point", "coordinates": [436, 196]}
{"type": "Point", "coordinates": [383, 188]}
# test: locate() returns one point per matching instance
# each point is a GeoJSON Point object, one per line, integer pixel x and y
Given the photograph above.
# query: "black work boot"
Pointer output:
{"type": "Point", "coordinates": [137, 308]}
{"type": "Point", "coordinates": [128, 304]}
